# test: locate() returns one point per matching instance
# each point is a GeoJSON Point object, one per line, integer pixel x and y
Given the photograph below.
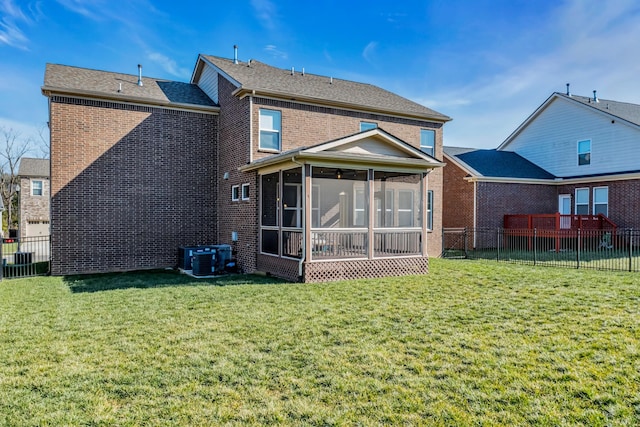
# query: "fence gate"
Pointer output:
{"type": "Point", "coordinates": [28, 256]}
{"type": "Point", "coordinates": [455, 243]}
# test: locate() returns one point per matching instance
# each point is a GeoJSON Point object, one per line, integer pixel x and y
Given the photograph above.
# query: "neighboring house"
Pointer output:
{"type": "Point", "coordinates": [308, 177]}
{"type": "Point", "coordinates": [34, 197]}
{"type": "Point", "coordinates": [573, 155]}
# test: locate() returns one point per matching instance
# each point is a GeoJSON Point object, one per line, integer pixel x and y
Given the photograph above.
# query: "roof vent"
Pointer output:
{"type": "Point", "coordinates": [330, 80]}
{"type": "Point", "coordinates": [568, 91]}
{"type": "Point", "coordinates": [235, 53]}
{"type": "Point", "coordinates": [293, 71]}
{"type": "Point", "coordinates": [249, 63]}
{"type": "Point", "coordinates": [303, 71]}
{"type": "Point", "coordinates": [595, 98]}
{"type": "Point", "coordinates": [140, 75]}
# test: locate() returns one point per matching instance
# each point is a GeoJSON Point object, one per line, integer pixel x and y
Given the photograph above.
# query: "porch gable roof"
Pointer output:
{"type": "Point", "coordinates": [373, 147]}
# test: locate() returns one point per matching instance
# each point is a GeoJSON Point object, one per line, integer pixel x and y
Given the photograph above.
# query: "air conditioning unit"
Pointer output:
{"type": "Point", "coordinates": [223, 257]}
{"type": "Point", "coordinates": [203, 263]}
{"type": "Point", "coordinates": [185, 254]}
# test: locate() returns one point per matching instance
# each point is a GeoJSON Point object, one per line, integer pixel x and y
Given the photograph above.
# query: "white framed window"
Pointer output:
{"type": "Point", "coordinates": [367, 125]}
{"type": "Point", "coordinates": [245, 192]}
{"type": "Point", "coordinates": [384, 218]}
{"type": "Point", "coordinates": [582, 201]}
{"type": "Point", "coordinates": [584, 152]}
{"type": "Point", "coordinates": [405, 208]}
{"type": "Point", "coordinates": [36, 188]}
{"type": "Point", "coordinates": [430, 209]}
{"type": "Point", "coordinates": [270, 130]}
{"type": "Point", "coordinates": [292, 205]}
{"type": "Point", "coordinates": [601, 201]}
{"type": "Point", "coordinates": [235, 193]}
{"type": "Point", "coordinates": [315, 206]}
{"type": "Point", "coordinates": [428, 141]}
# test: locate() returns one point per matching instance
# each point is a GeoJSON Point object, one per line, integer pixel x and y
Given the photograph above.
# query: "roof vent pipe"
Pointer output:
{"type": "Point", "coordinates": [303, 71]}
{"type": "Point", "coordinates": [595, 98]}
{"type": "Point", "coordinates": [293, 71]}
{"type": "Point", "coordinates": [568, 91]}
{"type": "Point", "coordinates": [139, 75]}
{"type": "Point", "coordinates": [330, 80]}
{"type": "Point", "coordinates": [235, 53]}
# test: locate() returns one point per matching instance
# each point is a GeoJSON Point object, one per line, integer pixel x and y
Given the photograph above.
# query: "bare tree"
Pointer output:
{"type": "Point", "coordinates": [13, 148]}
{"type": "Point", "coordinates": [44, 147]}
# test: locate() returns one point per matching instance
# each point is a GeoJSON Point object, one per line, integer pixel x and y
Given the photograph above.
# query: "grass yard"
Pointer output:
{"type": "Point", "coordinates": [472, 343]}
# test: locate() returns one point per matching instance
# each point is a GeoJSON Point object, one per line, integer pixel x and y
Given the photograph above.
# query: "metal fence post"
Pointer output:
{"type": "Point", "coordinates": [498, 244]}
{"type": "Point", "coordinates": [578, 249]}
{"type": "Point", "coordinates": [631, 249]}
{"type": "Point", "coordinates": [535, 246]}
{"type": "Point", "coordinates": [466, 254]}
{"type": "Point", "coordinates": [1, 258]}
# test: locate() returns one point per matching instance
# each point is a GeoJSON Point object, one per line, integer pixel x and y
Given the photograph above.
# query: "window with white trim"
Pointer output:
{"type": "Point", "coordinates": [235, 193]}
{"type": "Point", "coordinates": [428, 141]}
{"type": "Point", "coordinates": [582, 201]}
{"type": "Point", "coordinates": [367, 126]}
{"type": "Point", "coordinates": [359, 212]}
{"type": "Point", "coordinates": [601, 201]}
{"type": "Point", "coordinates": [584, 152]}
{"type": "Point", "coordinates": [245, 192]}
{"type": "Point", "coordinates": [270, 130]}
{"type": "Point", "coordinates": [36, 188]}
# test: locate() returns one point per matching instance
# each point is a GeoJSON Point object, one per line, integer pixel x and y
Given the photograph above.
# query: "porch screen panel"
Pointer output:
{"type": "Point", "coordinates": [340, 197]}
{"type": "Point", "coordinates": [401, 196]}
{"type": "Point", "coordinates": [270, 199]}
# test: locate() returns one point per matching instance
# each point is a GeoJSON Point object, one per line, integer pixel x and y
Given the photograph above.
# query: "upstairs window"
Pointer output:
{"type": "Point", "coordinates": [36, 188]}
{"type": "Point", "coordinates": [270, 129]}
{"type": "Point", "coordinates": [428, 141]}
{"type": "Point", "coordinates": [582, 201]}
{"type": "Point", "coordinates": [601, 201]}
{"type": "Point", "coordinates": [584, 152]}
{"type": "Point", "coordinates": [367, 125]}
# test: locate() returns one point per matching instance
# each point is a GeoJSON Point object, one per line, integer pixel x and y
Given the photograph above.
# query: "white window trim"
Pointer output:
{"type": "Point", "coordinates": [368, 124]}
{"type": "Point", "coordinates": [242, 191]}
{"type": "Point", "coordinates": [430, 210]}
{"type": "Point", "coordinates": [432, 148]}
{"type": "Point", "coordinates": [41, 187]}
{"type": "Point", "coordinates": [278, 131]}
{"type": "Point", "coordinates": [593, 199]}
{"type": "Point", "coordinates": [575, 205]}
{"type": "Point", "coordinates": [235, 193]}
{"type": "Point", "coordinates": [587, 152]}
{"type": "Point", "coordinates": [406, 210]}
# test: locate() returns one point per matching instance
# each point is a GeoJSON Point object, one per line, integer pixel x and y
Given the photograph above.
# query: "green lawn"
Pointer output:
{"type": "Point", "coordinates": [472, 343]}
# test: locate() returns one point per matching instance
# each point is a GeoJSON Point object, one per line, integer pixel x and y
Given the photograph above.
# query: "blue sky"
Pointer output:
{"type": "Point", "coordinates": [487, 64]}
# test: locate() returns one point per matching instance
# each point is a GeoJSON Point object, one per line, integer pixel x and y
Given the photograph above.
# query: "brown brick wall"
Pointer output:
{"type": "Point", "coordinates": [129, 185]}
{"type": "Point", "coordinates": [233, 151]}
{"type": "Point", "coordinates": [33, 208]}
{"type": "Point", "coordinates": [458, 198]}
{"type": "Point", "coordinates": [498, 199]}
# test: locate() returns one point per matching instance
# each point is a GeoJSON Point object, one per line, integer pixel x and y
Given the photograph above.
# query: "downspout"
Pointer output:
{"type": "Point", "coordinates": [304, 216]}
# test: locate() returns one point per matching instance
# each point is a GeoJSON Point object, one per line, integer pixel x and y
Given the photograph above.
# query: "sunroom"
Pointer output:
{"type": "Point", "coordinates": [351, 208]}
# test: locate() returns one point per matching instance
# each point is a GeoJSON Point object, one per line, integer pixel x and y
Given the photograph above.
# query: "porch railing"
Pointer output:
{"type": "Point", "coordinates": [349, 243]}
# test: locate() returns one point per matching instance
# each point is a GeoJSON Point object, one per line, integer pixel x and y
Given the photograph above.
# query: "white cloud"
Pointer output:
{"type": "Point", "coordinates": [10, 32]}
{"type": "Point", "coordinates": [169, 65]}
{"type": "Point", "coordinates": [275, 52]}
{"type": "Point", "coordinates": [369, 51]}
{"type": "Point", "coordinates": [266, 13]}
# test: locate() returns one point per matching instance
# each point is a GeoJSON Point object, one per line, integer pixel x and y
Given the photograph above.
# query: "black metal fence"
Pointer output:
{"type": "Point", "coordinates": [596, 249]}
{"type": "Point", "coordinates": [28, 256]}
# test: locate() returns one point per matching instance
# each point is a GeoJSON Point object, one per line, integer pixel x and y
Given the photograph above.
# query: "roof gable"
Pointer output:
{"type": "Point", "coordinates": [624, 111]}
{"type": "Point", "coordinates": [368, 148]}
{"type": "Point", "coordinates": [266, 80]}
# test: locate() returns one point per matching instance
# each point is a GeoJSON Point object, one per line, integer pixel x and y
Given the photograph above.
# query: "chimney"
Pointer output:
{"type": "Point", "coordinates": [568, 91]}
{"type": "Point", "coordinates": [235, 53]}
{"type": "Point", "coordinates": [139, 75]}
{"type": "Point", "coordinates": [595, 98]}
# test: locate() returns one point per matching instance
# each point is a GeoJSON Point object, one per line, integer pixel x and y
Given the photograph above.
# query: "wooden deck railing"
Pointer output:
{"type": "Point", "coordinates": [558, 222]}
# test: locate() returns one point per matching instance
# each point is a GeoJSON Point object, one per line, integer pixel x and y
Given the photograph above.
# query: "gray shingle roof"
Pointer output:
{"type": "Point", "coordinates": [265, 78]}
{"type": "Point", "coordinates": [34, 167]}
{"type": "Point", "coordinates": [623, 110]}
{"type": "Point", "coordinates": [498, 164]}
{"type": "Point", "coordinates": [63, 78]}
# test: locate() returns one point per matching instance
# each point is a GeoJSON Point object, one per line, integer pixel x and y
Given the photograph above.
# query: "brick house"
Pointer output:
{"type": "Point", "coordinates": [34, 197]}
{"type": "Point", "coordinates": [307, 177]}
{"type": "Point", "coordinates": [574, 155]}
